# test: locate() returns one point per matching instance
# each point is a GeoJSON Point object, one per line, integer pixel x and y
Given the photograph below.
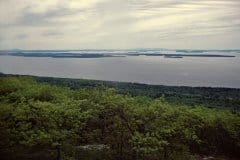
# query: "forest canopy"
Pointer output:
{"type": "Point", "coordinates": [46, 121]}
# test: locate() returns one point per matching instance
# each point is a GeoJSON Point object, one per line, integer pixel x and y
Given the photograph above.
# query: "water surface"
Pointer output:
{"type": "Point", "coordinates": [187, 71]}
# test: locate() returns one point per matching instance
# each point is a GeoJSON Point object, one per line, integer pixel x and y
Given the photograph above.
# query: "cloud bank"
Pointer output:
{"type": "Point", "coordinates": [118, 24]}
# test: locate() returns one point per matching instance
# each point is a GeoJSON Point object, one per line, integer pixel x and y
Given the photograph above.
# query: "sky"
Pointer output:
{"type": "Point", "coordinates": [119, 24]}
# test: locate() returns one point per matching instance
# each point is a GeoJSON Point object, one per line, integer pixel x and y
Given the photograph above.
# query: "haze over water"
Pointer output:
{"type": "Point", "coordinates": [187, 71]}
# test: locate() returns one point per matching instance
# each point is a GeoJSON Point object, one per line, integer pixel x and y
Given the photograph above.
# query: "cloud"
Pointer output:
{"type": "Point", "coordinates": [119, 24]}
{"type": "Point", "coordinates": [52, 34]}
{"type": "Point", "coordinates": [44, 18]}
{"type": "Point", "coordinates": [21, 36]}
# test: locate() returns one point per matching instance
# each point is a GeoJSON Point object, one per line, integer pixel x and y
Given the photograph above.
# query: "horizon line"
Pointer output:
{"type": "Point", "coordinates": [120, 49]}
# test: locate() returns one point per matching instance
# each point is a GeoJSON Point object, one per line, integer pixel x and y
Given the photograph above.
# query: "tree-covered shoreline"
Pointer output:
{"type": "Point", "coordinates": [38, 121]}
{"type": "Point", "coordinates": [224, 98]}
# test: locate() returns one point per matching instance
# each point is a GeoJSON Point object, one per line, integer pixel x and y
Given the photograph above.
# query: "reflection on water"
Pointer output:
{"type": "Point", "coordinates": [188, 71]}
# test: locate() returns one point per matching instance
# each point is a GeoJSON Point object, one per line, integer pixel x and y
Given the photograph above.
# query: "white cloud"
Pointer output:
{"type": "Point", "coordinates": [60, 24]}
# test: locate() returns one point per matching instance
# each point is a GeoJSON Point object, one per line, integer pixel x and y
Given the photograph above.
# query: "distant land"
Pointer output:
{"type": "Point", "coordinates": [115, 53]}
{"type": "Point", "coordinates": [211, 97]}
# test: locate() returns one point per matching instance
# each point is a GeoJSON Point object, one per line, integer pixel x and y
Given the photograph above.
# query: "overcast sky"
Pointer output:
{"type": "Point", "coordinates": [119, 24]}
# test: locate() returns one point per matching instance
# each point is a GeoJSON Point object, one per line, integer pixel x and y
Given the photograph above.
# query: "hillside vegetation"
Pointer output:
{"type": "Point", "coordinates": [177, 95]}
{"type": "Point", "coordinates": [45, 121]}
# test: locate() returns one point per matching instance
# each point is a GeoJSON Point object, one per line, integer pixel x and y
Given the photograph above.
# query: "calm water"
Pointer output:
{"type": "Point", "coordinates": [188, 71]}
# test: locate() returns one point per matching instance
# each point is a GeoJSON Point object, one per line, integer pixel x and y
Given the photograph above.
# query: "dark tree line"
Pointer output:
{"type": "Point", "coordinates": [43, 121]}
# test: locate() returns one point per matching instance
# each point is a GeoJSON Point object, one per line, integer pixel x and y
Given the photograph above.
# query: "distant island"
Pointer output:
{"type": "Point", "coordinates": [107, 53]}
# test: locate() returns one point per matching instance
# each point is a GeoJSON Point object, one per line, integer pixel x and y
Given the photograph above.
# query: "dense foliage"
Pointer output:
{"type": "Point", "coordinates": [42, 121]}
{"type": "Point", "coordinates": [177, 95]}
{"type": "Point", "coordinates": [206, 96]}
